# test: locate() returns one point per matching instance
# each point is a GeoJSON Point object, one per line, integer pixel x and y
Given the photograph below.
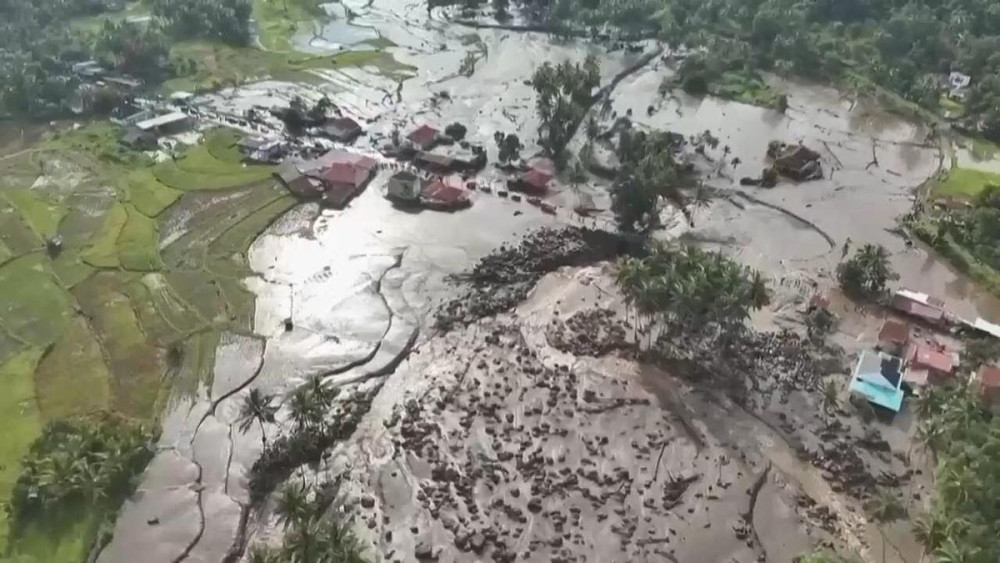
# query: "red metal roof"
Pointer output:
{"type": "Point", "coordinates": [536, 179]}
{"type": "Point", "coordinates": [926, 356]}
{"type": "Point", "coordinates": [442, 192]}
{"type": "Point", "coordinates": [423, 136]}
{"type": "Point", "coordinates": [355, 159]}
{"type": "Point", "coordinates": [894, 331]}
{"type": "Point", "coordinates": [345, 173]}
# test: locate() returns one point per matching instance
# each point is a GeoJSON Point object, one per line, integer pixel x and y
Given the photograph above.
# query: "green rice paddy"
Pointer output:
{"type": "Point", "coordinates": [90, 327]}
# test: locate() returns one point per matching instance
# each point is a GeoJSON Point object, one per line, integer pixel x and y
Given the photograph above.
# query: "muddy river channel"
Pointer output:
{"type": "Point", "coordinates": [487, 442]}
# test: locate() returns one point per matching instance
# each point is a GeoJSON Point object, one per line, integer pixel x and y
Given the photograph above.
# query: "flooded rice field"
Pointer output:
{"type": "Point", "coordinates": [487, 441]}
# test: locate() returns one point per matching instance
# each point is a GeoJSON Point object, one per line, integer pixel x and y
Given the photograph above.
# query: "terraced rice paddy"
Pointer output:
{"type": "Point", "coordinates": [128, 311]}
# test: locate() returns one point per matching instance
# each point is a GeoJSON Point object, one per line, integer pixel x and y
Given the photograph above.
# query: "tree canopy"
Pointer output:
{"type": "Point", "coordinates": [964, 521]}
{"type": "Point", "coordinates": [564, 91]}
{"type": "Point", "coordinates": [691, 289]}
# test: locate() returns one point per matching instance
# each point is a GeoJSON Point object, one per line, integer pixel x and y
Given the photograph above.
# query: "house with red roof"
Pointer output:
{"type": "Point", "coordinates": [424, 137]}
{"type": "Point", "coordinates": [342, 175]}
{"type": "Point", "coordinates": [445, 194]}
{"type": "Point", "coordinates": [894, 336]}
{"type": "Point", "coordinates": [928, 364]}
{"type": "Point", "coordinates": [533, 181]}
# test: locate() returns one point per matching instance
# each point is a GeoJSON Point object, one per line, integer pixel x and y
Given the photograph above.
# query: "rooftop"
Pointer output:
{"type": "Point", "coordinates": [423, 135]}
{"type": "Point", "coordinates": [924, 355]}
{"type": "Point", "coordinates": [536, 179]}
{"type": "Point", "coordinates": [161, 120]}
{"type": "Point", "coordinates": [894, 331]}
{"type": "Point", "coordinates": [876, 377]}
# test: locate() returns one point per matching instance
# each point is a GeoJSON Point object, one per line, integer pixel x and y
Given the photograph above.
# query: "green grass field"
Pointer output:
{"type": "Point", "coordinates": [89, 328]}
{"type": "Point", "coordinates": [280, 20]}
{"type": "Point", "coordinates": [20, 419]}
{"type": "Point", "coordinates": [965, 183]}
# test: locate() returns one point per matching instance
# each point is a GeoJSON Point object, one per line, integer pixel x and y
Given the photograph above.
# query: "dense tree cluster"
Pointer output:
{"type": "Point", "coordinates": [91, 461]}
{"type": "Point", "coordinates": [565, 91]}
{"type": "Point", "coordinates": [865, 275]}
{"type": "Point", "coordinates": [39, 45]}
{"type": "Point", "coordinates": [964, 521]}
{"type": "Point", "coordinates": [692, 290]}
{"type": "Point", "coordinates": [907, 46]}
{"type": "Point", "coordinates": [223, 20]}
{"type": "Point", "coordinates": [316, 529]}
{"type": "Point", "coordinates": [648, 174]}
{"type": "Point", "coordinates": [977, 229]}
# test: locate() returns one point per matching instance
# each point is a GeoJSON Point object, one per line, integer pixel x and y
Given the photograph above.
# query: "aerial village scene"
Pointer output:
{"type": "Point", "coordinates": [518, 280]}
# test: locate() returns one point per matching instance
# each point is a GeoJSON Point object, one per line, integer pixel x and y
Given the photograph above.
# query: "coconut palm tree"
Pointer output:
{"type": "Point", "coordinates": [304, 409]}
{"type": "Point", "coordinates": [886, 507]}
{"type": "Point", "coordinates": [957, 551]}
{"type": "Point", "coordinates": [257, 407]}
{"type": "Point", "coordinates": [293, 505]}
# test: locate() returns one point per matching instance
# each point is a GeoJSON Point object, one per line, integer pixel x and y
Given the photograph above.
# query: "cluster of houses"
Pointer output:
{"type": "Point", "coordinates": [334, 178]}
{"type": "Point", "coordinates": [913, 354]}
{"type": "Point", "coordinates": [143, 127]}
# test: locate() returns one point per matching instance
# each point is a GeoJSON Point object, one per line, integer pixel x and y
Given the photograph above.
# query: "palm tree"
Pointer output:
{"type": "Point", "coordinates": [257, 407]}
{"type": "Point", "coordinates": [304, 408]}
{"type": "Point", "coordinates": [759, 295]}
{"type": "Point", "coordinates": [886, 507]}
{"type": "Point", "coordinates": [293, 505]}
{"type": "Point", "coordinates": [957, 551]}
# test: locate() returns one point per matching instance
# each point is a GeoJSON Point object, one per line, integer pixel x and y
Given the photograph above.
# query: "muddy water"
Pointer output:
{"type": "Point", "coordinates": [872, 162]}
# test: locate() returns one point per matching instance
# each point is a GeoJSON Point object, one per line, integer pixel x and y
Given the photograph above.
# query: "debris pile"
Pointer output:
{"type": "Point", "coordinates": [796, 162]}
{"type": "Point", "coordinates": [512, 460]}
{"type": "Point", "coordinates": [594, 332]}
{"type": "Point", "coordinates": [503, 279]}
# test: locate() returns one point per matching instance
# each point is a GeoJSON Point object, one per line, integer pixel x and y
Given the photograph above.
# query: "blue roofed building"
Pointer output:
{"type": "Point", "coordinates": [878, 379]}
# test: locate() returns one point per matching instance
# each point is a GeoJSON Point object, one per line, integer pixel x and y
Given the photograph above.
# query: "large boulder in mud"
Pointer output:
{"type": "Point", "coordinates": [798, 162]}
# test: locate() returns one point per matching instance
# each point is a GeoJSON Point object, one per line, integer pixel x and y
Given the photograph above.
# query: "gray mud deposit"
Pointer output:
{"type": "Point", "coordinates": [490, 444]}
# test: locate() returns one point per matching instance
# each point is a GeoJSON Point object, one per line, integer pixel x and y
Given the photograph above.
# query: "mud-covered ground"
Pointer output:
{"type": "Point", "coordinates": [361, 288]}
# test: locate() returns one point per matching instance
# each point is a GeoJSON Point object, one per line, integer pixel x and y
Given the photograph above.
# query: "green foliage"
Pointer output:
{"type": "Point", "coordinates": [648, 173]}
{"type": "Point", "coordinates": [139, 50]}
{"type": "Point", "coordinates": [564, 94]}
{"type": "Point", "coordinates": [819, 323]}
{"type": "Point", "coordinates": [977, 230]}
{"type": "Point", "coordinates": [509, 145]}
{"type": "Point", "coordinates": [964, 521]}
{"type": "Point", "coordinates": [886, 507]}
{"type": "Point", "coordinates": [865, 275]}
{"type": "Point", "coordinates": [906, 46]}
{"type": "Point", "coordinates": [315, 529]}
{"type": "Point", "coordinates": [224, 20]}
{"type": "Point", "coordinates": [693, 290]}
{"type": "Point", "coordinates": [92, 461]}
{"type": "Point", "coordinates": [257, 407]}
